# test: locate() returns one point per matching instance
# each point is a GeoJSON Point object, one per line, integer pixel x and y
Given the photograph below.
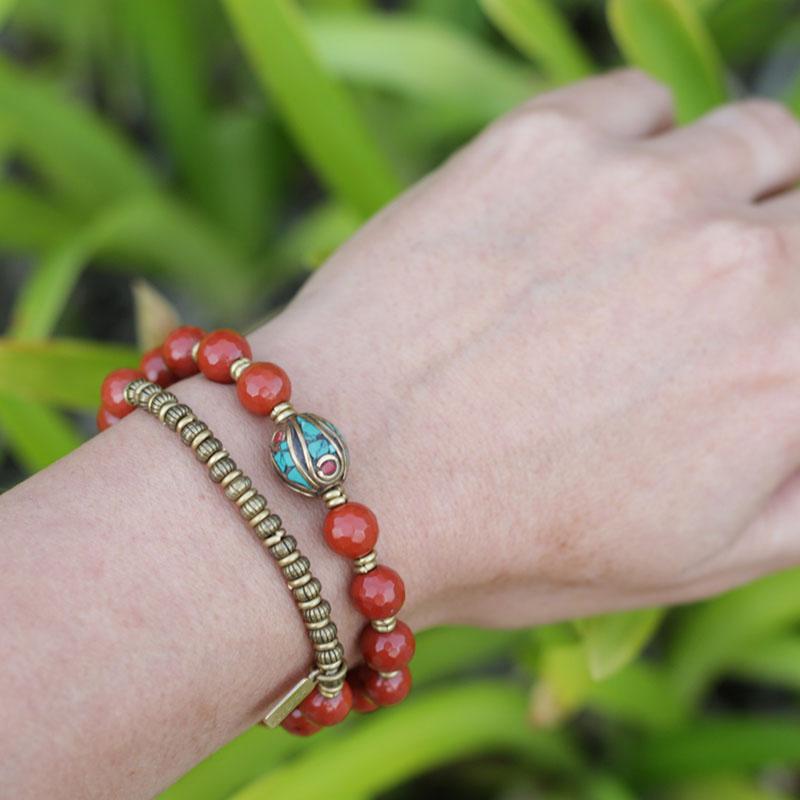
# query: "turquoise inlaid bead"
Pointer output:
{"type": "Point", "coordinates": [309, 453]}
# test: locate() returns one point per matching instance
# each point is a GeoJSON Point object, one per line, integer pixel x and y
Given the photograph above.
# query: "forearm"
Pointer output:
{"type": "Point", "coordinates": [142, 624]}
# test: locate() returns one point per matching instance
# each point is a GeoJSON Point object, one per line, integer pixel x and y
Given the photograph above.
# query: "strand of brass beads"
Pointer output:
{"type": "Point", "coordinates": [310, 455]}
{"type": "Point", "coordinates": [328, 675]}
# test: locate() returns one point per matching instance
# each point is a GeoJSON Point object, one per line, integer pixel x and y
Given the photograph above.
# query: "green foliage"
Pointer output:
{"type": "Point", "coordinates": [220, 148]}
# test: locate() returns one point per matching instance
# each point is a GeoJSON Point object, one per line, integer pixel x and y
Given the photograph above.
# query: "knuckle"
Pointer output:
{"type": "Point", "coordinates": [537, 124]}
{"type": "Point", "coordinates": [649, 179]}
{"type": "Point", "coordinates": [769, 115]}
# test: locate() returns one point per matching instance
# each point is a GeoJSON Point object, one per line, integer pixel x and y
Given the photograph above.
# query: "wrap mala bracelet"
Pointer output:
{"type": "Point", "coordinates": [125, 390]}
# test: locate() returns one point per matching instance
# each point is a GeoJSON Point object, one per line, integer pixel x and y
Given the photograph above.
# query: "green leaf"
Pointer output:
{"type": "Point", "coordinates": [669, 39]}
{"type": "Point", "coordinates": [424, 60]}
{"type": "Point", "coordinates": [62, 372]}
{"type": "Point", "coordinates": [717, 633]}
{"type": "Point", "coordinates": [538, 30]}
{"type": "Point", "coordinates": [774, 661]}
{"type": "Point", "coordinates": [614, 640]}
{"type": "Point", "coordinates": [36, 435]}
{"type": "Point", "coordinates": [82, 156]}
{"type": "Point", "coordinates": [429, 729]}
{"type": "Point", "coordinates": [29, 223]}
{"type": "Point", "coordinates": [316, 109]}
{"type": "Point", "coordinates": [731, 787]}
{"type": "Point", "coordinates": [318, 233]}
{"type": "Point", "coordinates": [562, 685]}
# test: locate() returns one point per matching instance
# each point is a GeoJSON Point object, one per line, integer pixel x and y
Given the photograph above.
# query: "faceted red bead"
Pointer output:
{"type": "Point", "coordinates": [262, 386]}
{"type": "Point", "coordinates": [351, 530]}
{"type": "Point", "coordinates": [323, 710]}
{"type": "Point", "coordinates": [155, 369]}
{"type": "Point", "coordinates": [218, 350]}
{"type": "Point", "coordinates": [378, 594]}
{"type": "Point", "coordinates": [112, 392]}
{"type": "Point", "coordinates": [177, 350]}
{"type": "Point", "coordinates": [387, 651]}
{"type": "Point", "coordinates": [357, 679]}
{"type": "Point", "coordinates": [298, 724]}
{"type": "Point", "coordinates": [105, 419]}
{"type": "Point", "coordinates": [386, 691]}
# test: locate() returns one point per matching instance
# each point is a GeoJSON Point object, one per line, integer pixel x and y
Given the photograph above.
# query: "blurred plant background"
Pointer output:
{"type": "Point", "coordinates": [204, 156]}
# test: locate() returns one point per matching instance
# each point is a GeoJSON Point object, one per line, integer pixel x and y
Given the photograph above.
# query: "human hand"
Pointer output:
{"type": "Point", "coordinates": [568, 362]}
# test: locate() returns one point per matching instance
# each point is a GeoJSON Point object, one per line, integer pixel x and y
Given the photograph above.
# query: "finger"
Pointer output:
{"type": "Point", "coordinates": [741, 151]}
{"type": "Point", "coordinates": [625, 103]}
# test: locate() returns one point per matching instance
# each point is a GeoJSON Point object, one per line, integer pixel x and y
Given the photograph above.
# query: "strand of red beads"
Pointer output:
{"type": "Point", "coordinates": [310, 455]}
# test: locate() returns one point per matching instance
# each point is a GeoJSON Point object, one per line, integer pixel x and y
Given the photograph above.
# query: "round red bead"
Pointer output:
{"type": "Point", "coordinates": [155, 369]}
{"type": "Point", "coordinates": [323, 710]}
{"type": "Point", "coordinates": [177, 350]}
{"type": "Point", "coordinates": [351, 530]}
{"type": "Point", "coordinates": [357, 679]}
{"type": "Point", "coordinates": [218, 350]}
{"type": "Point", "coordinates": [378, 594]}
{"type": "Point", "coordinates": [389, 650]}
{"type": "Point", "coordinates": [390, 689]}
{"type": "Point", "coordinates": [262, 386]}
{"type": "Point", "coordinates": [105, 419]}
{"type": "Point", "coordinates": [298, 724]}
{"type": "Point", "coordinates": [112, 392]}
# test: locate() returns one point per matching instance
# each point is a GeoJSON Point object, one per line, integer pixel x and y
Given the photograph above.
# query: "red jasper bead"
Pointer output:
{"type": "Point", "coordinates": [357, 678]}
{"type": "Point", "coordinates": [298, 724]}
{"type": "Point", "coordinates": [177, 350]}
{"type": "Point", "coordinates": [390, 650]}
{"type": "Point", "coordinates": [323, 710]}
{"type": "Point", "coordinates": [112, 392]}
{"type": "Point", "coordinates": [378, 594]}
{"type": "Point", "coordinates": [218, 350]}
{"type": "Point", "coordinates": [262, 386]}
{"type": "Point", "coordinates": [155, 369]}
{"type": "Point", "coordinates": [351, 530]}
{"type": "Point", "coordinates": [386, 691]}
{"type": "Point", "coordinates": [105, 419]}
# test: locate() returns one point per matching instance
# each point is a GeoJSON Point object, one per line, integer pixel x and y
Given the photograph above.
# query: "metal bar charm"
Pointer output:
{"type": "Point", "coordinates": [284, 705]}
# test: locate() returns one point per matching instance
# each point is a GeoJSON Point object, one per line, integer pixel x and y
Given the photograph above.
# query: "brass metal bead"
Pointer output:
{"type": "Point", "coordinates": [266, 526]}
{"type": "Point", "coordinates": [238, 367]}
{"type": "Point", "coordinates": [301, 581]}
{"type": "Point", "coordinates": [174, 414]}
{"type": "Point", "coordinates": [158, 401]}
{"type": "Point", "coordinates": [260, 517]}
{"type": "Point", "coordinates": [145, 392]}
{"type": "Point", "coordinates": [309, 591]}
{"type": "Point", "coordinates": [207, 448]}
{"type": "Point", "coordinates": [245, 496]}
{"type": "Point", "coordinates": [132, 390]}
{"type": "Point", "coordinates": [222, 467]}
{"type": "Point", "coordinates": [183, 422]}
{"type": "Point", "coordinates": [276, 538]}
{"type": "Point", "coordinates": [282, 411]}
{"type": "Point", "coordinates": [313, 626]}
{"type": "Point", "coordinates": [195, 351]}
{"type": "Point", "coordinates": [329, 656]}
{"type": "Point", "coordinates": [297, 568]}
{"type": "Point", "coordinates": [191, 430]}
{"type": "Point", "coordinates": [323, 635]}
{"type": "Point", "coordinates": [289, 559]}
{"type": "Point", "coordinates": [231, 476]}
{"type": "Point", "coordinates": [335, 496]}
{"type": "Point", "coordinates": [317, 613]}
{"type": "Point", "coordinates": [253, 505]}
{"type": "Point", "coordinates": [365, 563]}
{"type": "Point", "coordinates": [237, 487]}
{"type": "Point", "coordinates": [389, 674]}
{"type": "Point", "coordinates": [164, 410]}
{"type": "Point", "coordinates": [386, 625]}
{"type": "Point", "coordinates": [286, 545]}
{"type": "Point", "coordinates": [331, 679]}
{"type": "Point", "coordinates": [200, 438]}
{"type": "Point", "coordinates": [304, 605]}
{"type": "Point", "coordinates": [322, 647]}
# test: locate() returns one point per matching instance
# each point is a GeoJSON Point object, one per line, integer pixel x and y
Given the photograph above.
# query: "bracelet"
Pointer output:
{"type": "Point", "coordinates": [125, 390]}
{"type": "Point", "coordinates": [310, 455]}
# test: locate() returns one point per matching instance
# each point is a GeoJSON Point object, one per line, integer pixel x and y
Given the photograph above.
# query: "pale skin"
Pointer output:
{"type": "Point", "coordinates": [567, 364]}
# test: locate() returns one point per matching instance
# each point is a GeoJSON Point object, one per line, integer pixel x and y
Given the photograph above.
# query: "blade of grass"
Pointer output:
{"type": "Point", "coordinates": [422, 59]}
{"type": "Point", "coordinates": [774, 661]}
{"type": "Point", "coordinates": [669, 39]}
{"type": "Point", "coordinates": [429, 729]}
{"type": "Point", "coordinates": [29, 223]}
{"type": "Point", "coordinates": [316, 109]}
{"type": "Point", "coordinates": [61, 372]}
{"type": "Point", "coordinates": [539, 30]}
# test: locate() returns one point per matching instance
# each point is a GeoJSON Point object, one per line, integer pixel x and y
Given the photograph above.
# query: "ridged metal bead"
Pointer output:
{"type": "Point", "coordinates": [285, 546]}
{"type": "Point", "coordinates": [221, 468]}
{"type": "Point", "coordinates": [131, 397]}
{"type": "Point", "coordinates": [161, 399]}
{"type": "Point", "coordinates": [297, 568]}
{"type": "Point", "coordinates": [255, 505]}
{"type": "Point", "coordinates": [318, 612]}
{"type": "Point", "coordinates": [322, 635]}
{"type": "Point", "coordinates": [268, 526]}
{"type": "Point", "coordinates": [237, 487]}
{"type": "Point", "coordinates": [193, 429]}
{"type": "Point", "coordinates": [207, 448]}
{"type": "Point", "coordinates": [175, 415]}
{"type": "Point", "coordinates": [331, 656]}
{"type": "Point", "coordinates": [144, 393]}
{"type": "Point", "coordinates": [309, 591]}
